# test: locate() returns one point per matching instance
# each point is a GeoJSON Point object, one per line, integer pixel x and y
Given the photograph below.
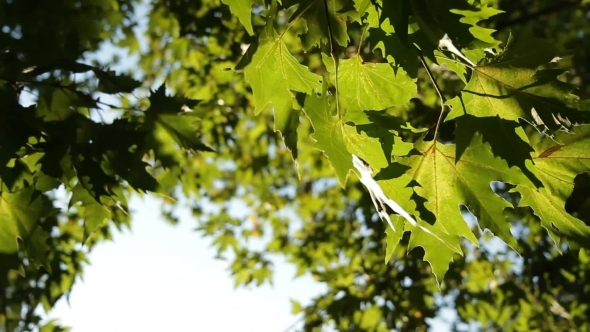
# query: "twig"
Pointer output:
{"type": "Point", "coordinates": [82, 94]}
{"type": "Point", "coordinates": [546, 11]}
{"type": "Point", "coordinates": [443, 100]}
{"type": "Point", "coordinates": [333, 54]}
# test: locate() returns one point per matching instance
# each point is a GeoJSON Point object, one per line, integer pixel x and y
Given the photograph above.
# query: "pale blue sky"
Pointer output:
{"type": "Point", "coordinates": [160, 277]}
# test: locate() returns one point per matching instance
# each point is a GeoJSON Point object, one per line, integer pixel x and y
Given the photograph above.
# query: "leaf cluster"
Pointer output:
{"type": "Point", "coordinates": [491, 133]}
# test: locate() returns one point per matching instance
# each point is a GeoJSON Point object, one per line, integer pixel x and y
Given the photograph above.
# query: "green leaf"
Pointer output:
{"type": "Point", "coordinates": [58, 104]}
{"type": "Point", "coordinates": [370, 86]}
{"type": "Point", "coordinates": [110, 82]}
{"type": "Point", "coordinates": [169, 119]}
{"type": "Point", "coordinates": [370, 318]}
{"type": "Point", "coordinates": [289, 131]}
{"type": "Point", "coordinates": [393, 50]}
{"type": "Point", "coordinates": [398, 13]}
{"type": "Point", "coordinates": [392, 240]}
{"type": "Point", "coordinates": [21, 214]}
{"type": "Point", "coordinates": [314, 13]}
{"type": "Point", "coordinates": [472, 17]}
{"type": "Point", "coordinates": [437, 253]}
{"type": "Point", "coordinates": [93, 212]}
{"type": "Point", "coordinates": [510, 86]}
{"type": "Point", "coordinates": [274, 73]}
{"type": "Point", "coordinates": [243, 10]}
{"type": "Point", "coordinates": [506, 138]}
{"type": "Point", "coordinates": [557, 165]}
{"type": "Point", "coordinates": [338, 140]}
{"type": "Point", "coordinates": [361, 6]}
{"type": "Point", "coordinates": [328, 133]}
{"type": "Point", "coordinates": [15, 177]}
{"type": "Point", "coordinates": [437, 18]}
{"type": "Point", "coordinates": [88, 163]}
{"type": "Point", "coordinates": [440, 248]}
{"type": "Point", "coordinates": [447, 183]}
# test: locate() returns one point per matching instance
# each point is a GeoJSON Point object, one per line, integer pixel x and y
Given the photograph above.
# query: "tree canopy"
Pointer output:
{"type": "Point", "coordinates": [472, 114]}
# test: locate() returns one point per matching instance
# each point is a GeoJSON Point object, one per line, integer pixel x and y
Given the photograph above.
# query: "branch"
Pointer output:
{"type": "Point", "coordinates": [87, 96]}
{"type": "Point", "coordinates": [333, 54]}
{"type": "Point", "coordinates": [443, 100]}
{"type": "Point", "coordinates": [557, 7]}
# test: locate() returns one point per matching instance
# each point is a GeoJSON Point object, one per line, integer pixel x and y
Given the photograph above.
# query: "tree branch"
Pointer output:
{"type": "Point", "coordinates": [557, 7]}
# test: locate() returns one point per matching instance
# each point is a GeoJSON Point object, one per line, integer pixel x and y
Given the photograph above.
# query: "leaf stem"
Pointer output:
{"type": "Point", "coordinates": [333, 55]}
{"type": "Point", "coordinates": [294, 20]}
{"type": "Point", "coordinates": [362, 37]}
{"type": "Point", "coordinates": [443, 100]}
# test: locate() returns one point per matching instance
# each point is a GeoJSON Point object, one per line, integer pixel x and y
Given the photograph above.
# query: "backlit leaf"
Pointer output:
{"type": "Point", "coordinates": [275, 74]}
{"type": "Point", "coordinates": [556, 165]}
{"type": "Point", "coordinates": [370, 86]}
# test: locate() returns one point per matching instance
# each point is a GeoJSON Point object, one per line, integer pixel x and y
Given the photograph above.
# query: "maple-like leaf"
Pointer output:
{"type": "Point", "coordinates": [556, 165]}
{"type": "Point", "coordinates": [274, 74]}
{"type": "Point", "coordinates": [439, 244]}
{"type": "Point", "coordinates": [318, 28]}
{"type": "Point", "coordinates": [328, 133]}
{"type": "Point", "coordinates": [338, 141]}
{"type": "Point", "coordinates": [93, 212]}
{"type": "Point", "coordinates": [243, 10]}
{"type": "Point", "coordinates": [21, 214]}
{"type": "Point", "coordinates": [370, 86]}
{"type": "Point", "coordinates": [169, 120]}
{"type": "Point", "coordinates": [512, 87]}
{"type": "Point", "coordinates": [506, 138]}
{"type": "Point", "coordinates": [446, 183]}
{"type": "Point", "coordinates": [110, 82]}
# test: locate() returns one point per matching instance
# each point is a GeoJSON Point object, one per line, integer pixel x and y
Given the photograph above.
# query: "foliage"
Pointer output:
{"type": "Point", "coordinates": [287, 91]}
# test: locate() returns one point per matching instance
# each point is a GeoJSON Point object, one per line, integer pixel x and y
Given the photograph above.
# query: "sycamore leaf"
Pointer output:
{"type": "Point", "coordinates": [435, 20]}
{"type": "Point", "coordinates": [243, 10]}
{"type": "Point", "coordinates": [314, 13]}
{"type": "Point", "coordinates": [511, 87]}
{"type": "Point", "coordinates": [440, 248]}
{"type": "Point", "coordinates": [439, 245]}
{"type": "Point", "coordinates": [110, 82]}
{"type": "Point", "coordinates": [392, 239]}
{"type": "Point", "coordinates": [424, 23]}
{"type": "Point", "coordinates": [92, 211]}
{"type": "Point", "coordinates": [557, 165]}
{"type": "Point", "coordinates": [372, 142]}
{"type": "Point", "coordinates": [88, 163]}
{"type": "Point", "coordinates": [172, 116]}
{"type": "Point", "coordinates": [338, 141]}
{"type": "Point", "coordinates": [446, 184]}
{"type": "Point", "coordinates": [506, 138]}
{"type": "Point", "coordinates": [438, 254]}
{"type": "Point", "coordinates": [361, 6]}
{"type": "Point", "coordinates": [472, 17]}
{"type": "Point", "coordinates": [398, 13]}
{"type": "Point", "coordinates": [21, 213]}
{"type": "Point", "coordinates": [370, 86]}
{"type": "Point", "coordinates": [393, 49]}
{"type": "Point", "coordinates": [289, 131]}
{"type": "Point", "coordinates": [273, 74]}
{"type": "Point", "coordinates": [328, 133]}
